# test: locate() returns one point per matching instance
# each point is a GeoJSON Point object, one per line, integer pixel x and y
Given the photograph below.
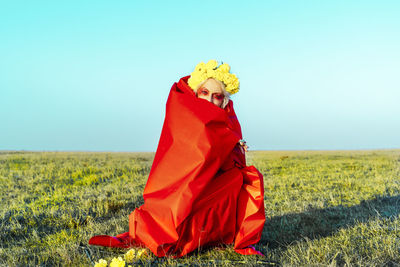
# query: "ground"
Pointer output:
{"type": "Point", "coordinates": [322, 208]}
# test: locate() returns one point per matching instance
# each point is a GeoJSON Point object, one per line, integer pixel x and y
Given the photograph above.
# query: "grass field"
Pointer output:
{"type": "Point", "coordinates": [322, 207]}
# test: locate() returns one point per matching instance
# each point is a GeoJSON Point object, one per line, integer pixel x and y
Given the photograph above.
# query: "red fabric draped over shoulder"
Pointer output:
{"type": "Point", "coordinates": [199, 191]}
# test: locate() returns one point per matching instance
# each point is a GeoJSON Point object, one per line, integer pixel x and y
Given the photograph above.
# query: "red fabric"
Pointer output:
{"type": "Point", "coordinates": [199, 191]}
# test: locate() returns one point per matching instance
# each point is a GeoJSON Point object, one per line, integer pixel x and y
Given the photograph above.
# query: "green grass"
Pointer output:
{"type": "Point", "coordinates": [322, 207]}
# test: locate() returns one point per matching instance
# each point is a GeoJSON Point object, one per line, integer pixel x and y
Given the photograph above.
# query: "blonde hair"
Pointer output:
{"type": "Point", "coordinates": [226, 94]}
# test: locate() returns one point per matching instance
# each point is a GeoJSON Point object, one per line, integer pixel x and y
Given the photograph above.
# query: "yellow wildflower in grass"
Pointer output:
{"type": "Point", "coordinates": [133, 254]}
{"type": "Point", "coordinates": [130, 255]}
{"type": "Point", "coordinates": [101, 263]}
{"type": "Point", "coordinates": [142, 253]}
{"type": "Point", "coordinates": [117, 262]}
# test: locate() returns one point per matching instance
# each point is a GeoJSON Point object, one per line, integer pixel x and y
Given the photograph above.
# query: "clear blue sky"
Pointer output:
{"type": "Point", "coordinates": [95, 75]}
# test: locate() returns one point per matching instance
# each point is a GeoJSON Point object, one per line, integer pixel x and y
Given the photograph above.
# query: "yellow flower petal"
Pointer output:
{"type": "Point", "coordinates": [224, 67]}
{"type": "Point", "coordinates": [211, 64]}
{"type": "Point", "coordinates": [130, 255]}
{"type": "Point", "coordinates": [142, 253]}
{"type": "Point", "coordinates": [101, 263]}
{"type": "Point", "coordinates": [200, 67]}
{"type": "Point", "coordinates": [117, 262]}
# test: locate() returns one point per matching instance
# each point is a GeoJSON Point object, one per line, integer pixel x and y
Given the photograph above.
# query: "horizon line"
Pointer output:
{"type": "Point", "coordinates": [255, 150]}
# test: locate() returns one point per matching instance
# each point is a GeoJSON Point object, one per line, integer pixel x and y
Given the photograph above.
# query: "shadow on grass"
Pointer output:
{"type": "Point", "coordinates": [18, 227]}
{"type": "Point", "coordinates": [280, 231]}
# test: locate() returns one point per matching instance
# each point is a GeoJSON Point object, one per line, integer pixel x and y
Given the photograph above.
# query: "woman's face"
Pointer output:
{"type": "Point", "coordinates": [212, 91]}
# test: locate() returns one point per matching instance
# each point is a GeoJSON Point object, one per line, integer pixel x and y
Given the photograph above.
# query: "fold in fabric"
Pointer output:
{"type": "Point", "coordinates": [199, 191]}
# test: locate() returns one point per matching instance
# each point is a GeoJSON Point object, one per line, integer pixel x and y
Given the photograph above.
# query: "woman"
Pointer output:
{"type": "Point", "coordinates": [199, 191]}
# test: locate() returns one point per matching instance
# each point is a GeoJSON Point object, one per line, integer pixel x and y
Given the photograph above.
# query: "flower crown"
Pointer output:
{"type": "Point", "coordinates": [203, 71]}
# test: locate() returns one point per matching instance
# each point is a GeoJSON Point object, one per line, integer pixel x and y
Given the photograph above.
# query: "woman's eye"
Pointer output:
{"type": "Point", "coordinates": [219, 96]}
{"type": "Point", "coordinates": [204, 92]}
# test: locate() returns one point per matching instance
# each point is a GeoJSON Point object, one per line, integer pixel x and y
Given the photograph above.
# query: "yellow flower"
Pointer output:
{"type": "Point", "coordinates": [130, 255]}
{"type": "Point", "coordinates": [211, 73]}
{"type": "Point", "coordinates": [227, 78]}
{"type": "Point", "coordinates": [232, 90]}
{"type": "Point", "coordinates": [200, 67]}
{"type": "Point", "coordinates": [142, 253]}
{"type": "Point", "coordinates": [192, 83]}
{"type": "Point", "coordinates": [235, 82]}
{"type": "Point", "coordinates": [117, 262]}
{"type": "Point", "coordinates": [203, 77]}
{"type": "Point", "coordinates": [101, 263]}
{"type": "Point", "coordinates": [220, 76]}
{"type": "Point", "coordinates": [211, 64]}
{"type": "Point", "coordinates": [210, 70]}
{"type": "Point", "coordinates": [224, 67]}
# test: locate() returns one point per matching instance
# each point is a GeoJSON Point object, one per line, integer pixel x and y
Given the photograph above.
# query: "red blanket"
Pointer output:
{"type": "Point", "coordinates": [199, 191]}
